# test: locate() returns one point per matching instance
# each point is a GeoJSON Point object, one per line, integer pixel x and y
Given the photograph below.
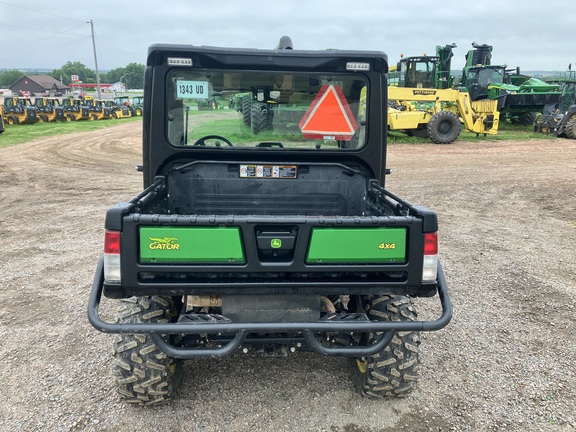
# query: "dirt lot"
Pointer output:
{"type": "Point", "coordinates": [507, 214]}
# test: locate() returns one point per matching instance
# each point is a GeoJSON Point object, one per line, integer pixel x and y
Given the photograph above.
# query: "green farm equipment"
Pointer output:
{"type": "Point", "coordinates": [560, 119]}
{"type": "Point", "coordinates": [520, 97]}
{"type": "Point", "coordinates": [426, 71]}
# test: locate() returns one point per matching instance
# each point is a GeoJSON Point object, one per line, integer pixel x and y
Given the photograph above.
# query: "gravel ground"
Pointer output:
{"type": "Point", "coordinates": [506, 362]}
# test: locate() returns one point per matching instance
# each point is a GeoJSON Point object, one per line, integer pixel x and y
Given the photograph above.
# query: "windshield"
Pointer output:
{"type": "Point", "coordinates": [486, 76]}
{"type": "Point", "coordinates": [276, 110]}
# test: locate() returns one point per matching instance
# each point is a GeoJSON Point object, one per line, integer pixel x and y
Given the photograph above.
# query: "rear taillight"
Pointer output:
{"type": "Point", "coordinates": [112, 256]}
{"type": "Point", "coordinates": [430, 267]}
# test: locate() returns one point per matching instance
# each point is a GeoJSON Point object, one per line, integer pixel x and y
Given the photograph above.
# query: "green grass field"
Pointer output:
{"type": "Point", "coordinates": [16, 134]}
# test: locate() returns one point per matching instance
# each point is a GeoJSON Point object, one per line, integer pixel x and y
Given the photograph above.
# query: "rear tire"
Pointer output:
{"type": "Point", "coordinates": [525, 119]}
{"type": "Point", "coordinates": [570, 129]}
{"type": "Point", "coordinates": [144, 374]}
{"type": "Point", "coordinates": [260, 118]}
{"type": "Point", "coordinates": [246, 107]}
{"type": "Point", "coordinates": [444, 127]}
{"type": "Point", "coordinates": [393, 372]}
{"type": "Point", "coordinates": [12, 120]}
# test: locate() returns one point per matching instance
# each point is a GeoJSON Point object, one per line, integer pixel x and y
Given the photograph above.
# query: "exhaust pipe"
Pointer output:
{"type": "Point", "coordinates": [285, 43]}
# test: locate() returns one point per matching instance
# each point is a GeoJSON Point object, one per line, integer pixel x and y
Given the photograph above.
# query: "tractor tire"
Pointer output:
{"type": "Point", "coordinates": [393, 372]}
{"type": "Point", "coordinates": [12, 120]}
{"type": "Point", "coordinates": [525, 119]}
{"type": "Point", "coordinates": [570, 129]}
{"type": "Point", "coordinates": [138, 112]}
{"type": "Point", "coordinates": [444, 127]}
{"type": "Point", "coordinates": [93, 117]}
{"type": "Point", "coordinates": [70, 117]}
{"type": "Point", "coordinates": [246, 110]}
{"type": "Point", "coordinates": [260, 118]}
{"type": "Point", "coordinates": [144, 374]}
{"type": "Point", "coordinates": [43, 118]}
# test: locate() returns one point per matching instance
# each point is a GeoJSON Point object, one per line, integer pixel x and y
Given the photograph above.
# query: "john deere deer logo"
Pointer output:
{"type": "Point", "coordinates": [275, 243]}
{"type": "Point", "coordinates": [166, 243]}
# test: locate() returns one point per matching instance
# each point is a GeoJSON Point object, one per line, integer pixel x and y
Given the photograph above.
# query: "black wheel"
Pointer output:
{"type": "Point", "coordinates": [144, 374]}
{"type": "Point", "coordinates": [246, 110]}
{"type": "Point", "coordinates": [260, 120]}
{"type": "Point", "coordinates": [444, 127]}
{"type": "Point", "coordinates": [43, 117]}
{"type": "Point", "coordinates": [138, 111]}
{"type": "Point", "coordinates": [94, 117]}
{"type": "Point", "coordinates": [393, 372]}
{"type": "Point", "coordinates": [525, 119]}
{"type": "Point", "coordinates": [202, 141]}
{"type": "Point", "coordinates": [570, 129]}
{"type": "Point", "coordinates": [70, 117]}
{"type": "Point", "coordinates": [12, 120]}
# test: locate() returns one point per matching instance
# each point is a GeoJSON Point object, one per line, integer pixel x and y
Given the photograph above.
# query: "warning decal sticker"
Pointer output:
{"type": "Point", "coordinates": [269, 171]}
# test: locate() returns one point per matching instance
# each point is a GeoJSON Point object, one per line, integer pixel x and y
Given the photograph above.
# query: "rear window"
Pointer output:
{"type": "Point", "coordinates": [276, 110]}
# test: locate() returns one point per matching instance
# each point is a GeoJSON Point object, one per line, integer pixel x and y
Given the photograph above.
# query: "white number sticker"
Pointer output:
{"type": "Point", "coordinates": [192, 90]}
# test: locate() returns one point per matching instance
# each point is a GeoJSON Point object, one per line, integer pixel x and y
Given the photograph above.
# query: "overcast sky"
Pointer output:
{"type": "Point", "coordinates": [532, 34]}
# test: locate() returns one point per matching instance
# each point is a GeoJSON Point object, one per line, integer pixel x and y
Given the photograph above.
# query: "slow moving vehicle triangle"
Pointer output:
{"type": "Point", "coordinates": [329, 116]}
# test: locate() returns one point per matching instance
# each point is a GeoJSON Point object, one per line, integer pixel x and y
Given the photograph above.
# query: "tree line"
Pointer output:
{"type": "Point", "coordinates": [132, 75]}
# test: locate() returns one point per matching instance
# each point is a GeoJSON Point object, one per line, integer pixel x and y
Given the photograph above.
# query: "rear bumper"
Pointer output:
{"type": "Point", "coordinates": [242, 329]}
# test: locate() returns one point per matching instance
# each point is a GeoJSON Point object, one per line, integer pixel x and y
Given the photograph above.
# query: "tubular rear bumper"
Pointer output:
{"type": "Point", "coordinates": [241, 330]}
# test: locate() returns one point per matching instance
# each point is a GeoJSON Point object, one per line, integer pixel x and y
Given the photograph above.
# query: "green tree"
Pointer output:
{"type": "Point", "coordinates": [9, 77]}
{"type": "Point", "coordinates": [73, 68]}
{"type": "Point", "coordinates": [131, 75]}
{"type": "Point", "coordinates": [135, 75]}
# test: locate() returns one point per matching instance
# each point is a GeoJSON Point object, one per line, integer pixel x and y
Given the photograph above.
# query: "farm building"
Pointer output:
{"type": "Point", "coordinates": [38, 84]}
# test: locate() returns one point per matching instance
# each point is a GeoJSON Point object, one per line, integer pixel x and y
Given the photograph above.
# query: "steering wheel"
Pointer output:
{"type": "Point", "coordinates": [202, 141]}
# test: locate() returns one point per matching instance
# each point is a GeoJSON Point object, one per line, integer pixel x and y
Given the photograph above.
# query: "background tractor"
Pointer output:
{"type": "Point", "coordinates": [560, 118]}
{"type": "Point", "coordinates": [19, 110]}
{"type": "Point", "coordinates": [426, 71]}
{"type": "Point", "coordinates": [437, 113]}
{"type": "Point", "coordinates": [49, 109]}
{"type": "Point", "coordinates": [99, 110]}
{"type": "Point", "coordinates": [76, 109]}
{"type": "Point", "coordinates": [135, 108]}
{"type": "Point", "coordinates": [520, 97]}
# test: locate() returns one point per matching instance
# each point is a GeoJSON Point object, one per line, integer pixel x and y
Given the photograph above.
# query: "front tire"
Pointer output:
{"type": "Point", "coordinates": [444, 127]}
{"type": "Point", "coordinates": [392, 372]}
{"type": "Point", "coordinates": [144, 374]}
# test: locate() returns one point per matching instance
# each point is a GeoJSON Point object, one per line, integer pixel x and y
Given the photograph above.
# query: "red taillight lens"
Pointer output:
{"type": "Point", "coordinates": [112, 242]}
{"type": "Point", "coordinates": [430, 243]}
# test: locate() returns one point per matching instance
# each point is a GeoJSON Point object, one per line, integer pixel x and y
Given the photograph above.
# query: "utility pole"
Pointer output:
{"type": "Point", "coordinates": [95, 59]}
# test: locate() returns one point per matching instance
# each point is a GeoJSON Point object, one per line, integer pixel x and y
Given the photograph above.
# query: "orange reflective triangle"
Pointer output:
{"type": "Point", "coordinates": [329, 116]}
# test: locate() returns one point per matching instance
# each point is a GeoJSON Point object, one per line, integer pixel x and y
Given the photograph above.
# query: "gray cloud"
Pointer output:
{"type": "Point", "coordinates": [47, 35]}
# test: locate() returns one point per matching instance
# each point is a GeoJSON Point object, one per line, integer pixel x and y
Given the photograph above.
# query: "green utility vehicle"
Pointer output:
{"type": "Point", "coordinates": [272, 243]}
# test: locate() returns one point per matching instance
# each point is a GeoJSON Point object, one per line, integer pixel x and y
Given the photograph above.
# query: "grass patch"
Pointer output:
{"type": "Point", "coordinates": [17, 134]}
{"type": "Point", "coordinates": [506, 131]}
